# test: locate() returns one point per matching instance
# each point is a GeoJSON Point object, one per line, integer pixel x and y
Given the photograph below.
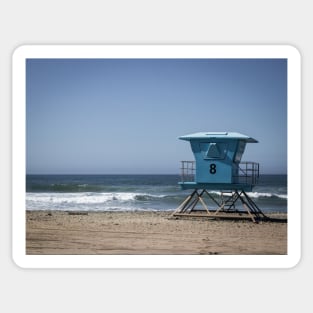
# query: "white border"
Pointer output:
{"type": "Point", "coordinates": [156, 261]}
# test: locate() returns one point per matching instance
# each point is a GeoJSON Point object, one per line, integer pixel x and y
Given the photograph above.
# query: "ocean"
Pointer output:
{"type": "Point", "coordinates": [133, 193]}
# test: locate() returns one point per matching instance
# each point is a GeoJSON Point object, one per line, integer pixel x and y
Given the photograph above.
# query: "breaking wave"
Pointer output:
{"type": "Point", "coordinates": [259, 195]}
{"type": "Point", "coordinates": [90, 197]}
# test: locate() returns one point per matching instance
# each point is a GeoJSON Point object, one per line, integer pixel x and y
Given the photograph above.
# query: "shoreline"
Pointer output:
{"type": "Point", "coordinates": [149, 233]}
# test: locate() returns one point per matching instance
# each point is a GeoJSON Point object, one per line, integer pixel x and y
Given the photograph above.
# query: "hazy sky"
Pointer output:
{"type": "Point", "coordinates": [123, 116]}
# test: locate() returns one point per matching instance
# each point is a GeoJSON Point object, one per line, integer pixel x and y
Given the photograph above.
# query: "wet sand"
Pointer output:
{"type": "Point", "coordinates": [118, 233]}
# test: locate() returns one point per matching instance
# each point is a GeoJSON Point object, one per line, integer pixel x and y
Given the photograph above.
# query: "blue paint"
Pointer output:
{"type": "Point", "coordinates": [217, 161]}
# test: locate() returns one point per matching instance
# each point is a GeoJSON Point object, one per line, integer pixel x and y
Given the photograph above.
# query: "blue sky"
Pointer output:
{"type": "Point", "coordinates": [123, 116]}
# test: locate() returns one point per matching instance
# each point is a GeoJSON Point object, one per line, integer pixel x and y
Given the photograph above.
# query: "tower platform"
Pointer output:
{"type": "Point", "coordinates": [218, 187]}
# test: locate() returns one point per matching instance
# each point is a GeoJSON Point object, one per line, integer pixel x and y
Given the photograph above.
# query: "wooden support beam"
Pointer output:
{"type": "Point", "coordinates": [185, 202]}
{"type": "Point", "coordinates": [203, 203]}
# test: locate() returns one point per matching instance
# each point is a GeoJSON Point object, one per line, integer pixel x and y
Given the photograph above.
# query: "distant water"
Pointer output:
{"type": "Point", "coordinates": [133, 192]}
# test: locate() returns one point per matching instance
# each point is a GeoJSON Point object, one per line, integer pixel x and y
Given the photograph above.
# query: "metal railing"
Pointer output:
{"type": "Point", "coordinates": [188, 170]}
{"type": "Point", "coordinates": [246, 173]}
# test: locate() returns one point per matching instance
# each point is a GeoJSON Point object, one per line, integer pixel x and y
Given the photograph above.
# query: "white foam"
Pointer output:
{"type": "Point", "coordinates": [266, 195]}
{"type": "Point", "coordinates": [80, 198]}
{"type": "Point", "coordinates": [257, 195]}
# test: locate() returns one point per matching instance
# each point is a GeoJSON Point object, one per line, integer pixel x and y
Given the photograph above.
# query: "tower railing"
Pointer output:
{"type": "Point", "coordinates": [247, 172]}
{"type": "Point", "coordinates": [188, 170]}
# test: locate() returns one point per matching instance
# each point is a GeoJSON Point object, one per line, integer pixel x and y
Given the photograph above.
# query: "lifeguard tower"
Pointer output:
{"type": "Point", "coordinates": [218, 167]}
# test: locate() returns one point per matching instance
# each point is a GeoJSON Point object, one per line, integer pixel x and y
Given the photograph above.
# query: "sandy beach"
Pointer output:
{"type": "Point", "coordinates": [84, 233]}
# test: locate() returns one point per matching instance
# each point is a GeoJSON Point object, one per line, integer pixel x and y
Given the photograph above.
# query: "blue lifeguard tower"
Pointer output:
{"type": "Point", "coordinates": [218, 167]}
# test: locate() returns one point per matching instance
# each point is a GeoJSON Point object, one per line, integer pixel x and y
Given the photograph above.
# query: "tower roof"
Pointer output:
{"type": "Point", "coordinates": [217, 135]}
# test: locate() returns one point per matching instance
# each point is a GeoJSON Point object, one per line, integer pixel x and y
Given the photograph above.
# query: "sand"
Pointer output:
{"type": "Point", "coordinates": [118, 233]}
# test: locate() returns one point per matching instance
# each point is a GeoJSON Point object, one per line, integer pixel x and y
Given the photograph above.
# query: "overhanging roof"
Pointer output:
{"type": "Point", "coordinates": [217, 135]}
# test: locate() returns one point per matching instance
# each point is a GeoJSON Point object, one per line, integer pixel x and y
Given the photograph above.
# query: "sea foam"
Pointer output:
{"type": "Point", "coordinates": [80, 198]}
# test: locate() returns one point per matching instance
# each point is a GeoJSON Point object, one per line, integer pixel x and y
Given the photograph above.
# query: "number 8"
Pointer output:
{"type": "Point", "coordinates": [213, 168]}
